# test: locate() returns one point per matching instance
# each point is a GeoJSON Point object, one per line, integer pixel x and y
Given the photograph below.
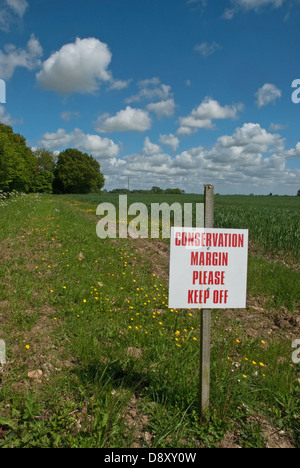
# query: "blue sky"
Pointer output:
{"type": "Point", "coordinates": [174, 93]}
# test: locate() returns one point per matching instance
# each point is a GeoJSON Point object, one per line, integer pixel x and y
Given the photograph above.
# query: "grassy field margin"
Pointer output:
{"type": "Point", "coordinates": [96, 359]}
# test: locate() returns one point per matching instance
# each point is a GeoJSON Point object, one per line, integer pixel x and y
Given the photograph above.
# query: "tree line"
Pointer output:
{"type": "Point", "coordinates": [168, 191]}
{"type": "Point", "coordinates": [25, 170]}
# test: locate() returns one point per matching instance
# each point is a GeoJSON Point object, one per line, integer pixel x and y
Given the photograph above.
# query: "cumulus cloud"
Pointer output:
{"type": "Point", "coordinates": [150, 148]}
{"type": "Point", "coordinates": [249, 160]}
{"type": "Point", "coordinates": [251, 137]}
{"type": "Point", "coordinates": [99, 148]}
{"type": "Point", "coordinates": [170, 140]}
{"type": "Point", "coordinates": [204, 114]}
{"type": "Point", "coordinates": [267, 94]}
{"type": "Point", "coordinates": [293, 152]}
{"type": "Point", "coordinates": [28, 58]}
{"type": "Point", "coordinates": [163, 108]}
{"type": "Point", "coordinates": [162, 101]}
{"type": "Point", "coordinates": [151, 89]}
{"type": "Point", "coordinates": [129, 119]}
{"type": "Point", "coordinates": [77, 67]}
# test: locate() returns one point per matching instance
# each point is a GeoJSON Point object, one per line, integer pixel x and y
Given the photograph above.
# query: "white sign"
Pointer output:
{"type": "Point", "coordinates": [208, 268]}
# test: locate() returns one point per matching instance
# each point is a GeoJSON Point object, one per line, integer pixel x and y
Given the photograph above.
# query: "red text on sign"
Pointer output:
{"type": "Point", "coordinates": [198, 296]}
{"type": "Point", "coordinates": [209, 277]}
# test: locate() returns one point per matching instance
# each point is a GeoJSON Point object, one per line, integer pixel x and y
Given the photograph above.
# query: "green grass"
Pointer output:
{"type": "Point", "coordinates": [93, 316]}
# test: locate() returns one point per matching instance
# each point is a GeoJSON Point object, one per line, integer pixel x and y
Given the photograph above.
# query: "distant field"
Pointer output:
{"type": "Point", "coordinates": [273, 221]}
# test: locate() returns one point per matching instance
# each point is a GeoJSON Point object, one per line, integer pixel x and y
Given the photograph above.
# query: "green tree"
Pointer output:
{"type": "Point", "coordinates": [175, 191]}
{"type": "Point", "coordinates": [44, 173]}
{"type": "Point", "coordinates": [43, 182]}
{"type": "Point", "coordinates": [45, 159]}
{"type": "Point", "coordinates": [17, 163]}
{"type": "Point", "coordinates": [77, 172]}
{"type": "Point", "coordinates": [157, 189]}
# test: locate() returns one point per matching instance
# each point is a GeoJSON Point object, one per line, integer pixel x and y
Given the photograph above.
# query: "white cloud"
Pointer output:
{"type": "Point", "coordinates": [204, 114]}
{"type": "Point", "coordinates": [119, 84]}
{"type": "Point", "coordinates": [170, 140]}
{"type": "Point", "coordinates": [206, 49]}
{"type": "Point", "coordinates": [10, 12]}
{"type": "Point", "coordinates": [28, 58]}
{"type": "Point", "coordinates": [150, 148]}
{"type": "Point", "coordinates": [294, 152]}
{"type": "Point", "coordinates": [250, 5]}
{"type": "Point", "coordinates": [5, 118]}
{"type": "Point", "coordinates": [267, 94]}
{"type": "Point", "coordinates": [163, 108]}
{"type": "Point", "coordinates": [249, 160]}
{"type": "Point", "coordinates": [99, 148]}
{"type": "Point", "coordinates": [77, 67]}
{"type": "Point", "coordinates": [276, 127]}
{"type": "Point", "coordinates": [18, 6]}
{"type": "Point", "coordinates": [129, 119]}
{"type": "Point", "coordinates": [151, 89]}
{"type": "Point", "coordinates": [251, 134]}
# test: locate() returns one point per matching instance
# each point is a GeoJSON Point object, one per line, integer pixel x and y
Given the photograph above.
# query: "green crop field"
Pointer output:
{"type": "Point", "coordinates": [94, 356]}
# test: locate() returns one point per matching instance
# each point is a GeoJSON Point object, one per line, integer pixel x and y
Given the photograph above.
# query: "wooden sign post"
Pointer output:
{"type": "Point", "coordinates": [205, 320]}
{"type": "Point", "coordinates": [208, 270]}
{"type": "Point", "coordinates": [2, 353]}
